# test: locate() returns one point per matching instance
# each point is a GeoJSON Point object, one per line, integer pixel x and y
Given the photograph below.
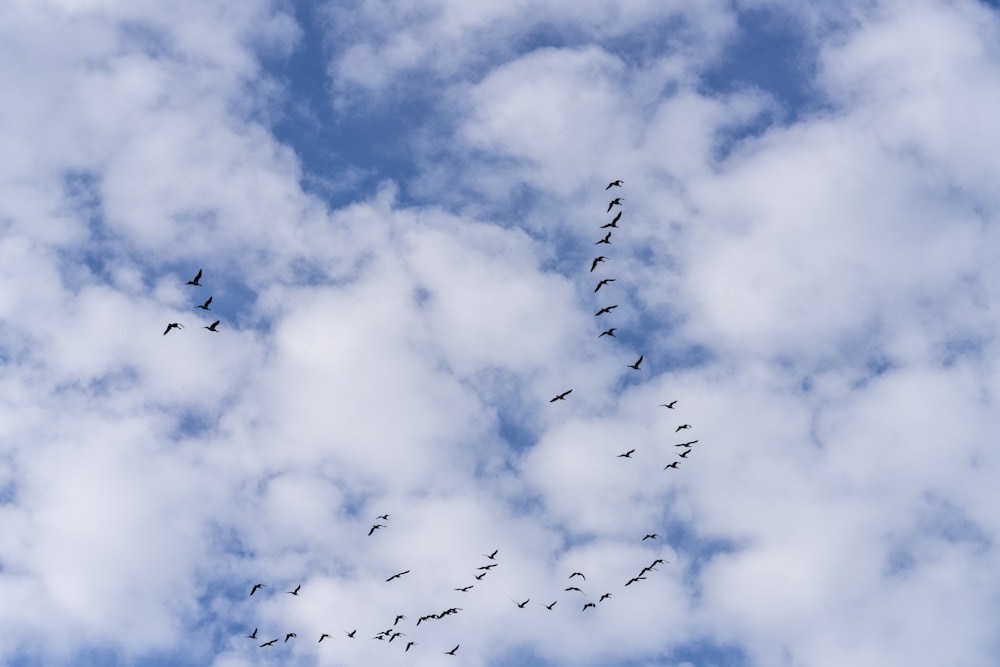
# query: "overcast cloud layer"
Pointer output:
{"type": "Point", "coordinates": [395, 207]}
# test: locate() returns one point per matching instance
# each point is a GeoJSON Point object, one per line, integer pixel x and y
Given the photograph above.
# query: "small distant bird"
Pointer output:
{"type": "Point", "coordinates": [609, 332]}
{"type": "Point", "coordinates": [399, 617]}
{"type": "Point", "coordinates": [383, 517]}
{"type": "Point", "coordinates": [649, 536]}
{"type": "Point", "coordinates": [614, 221]}
{"type": "Point", "coordinates": [671, 465]}
{"type": "Point", "coordinates": [682, 427]}
{"type": "Point", "coordinates": [614, 184]}
{"type": "Point", "coordinates": [603, 282]}
{"type": "Point", "coordinates": [198, 277]}
{"type": "Point", "coordinates": [589, 604]}
{"type": "Point", "coordinates": [686, 444]}
{"type": "Point", "coordinates": [351, 633]}
{"type": "Point", "coordinates": [374, 528]}
{"type": "Point", "coordinates": [252, 635]}
{"type": "Point", "coordinates": [521, 604]}
{"type": "Point", "coordinates": [572, 588]}
{"type": "Point", "coordinates": [465, 589]}
{"type": "Point", "coordinates": [212, 326]}
{"type": "Point", "coordinates": [606, 239]}
{"type": "Point", "coordinates": [290, 635]}
{"type": "Point", "coordinates": [323, 636]}
{"type": "Point", "coordinates": [452, 651]}
{"type": "Point", "coordinates": [685, 453]}
{"type": "Point", "coordinates": [606, 309]}
{"type": "Point", "coordinates": [398, 575]}
{"type": "Point", "coordinates": [634, 580]}
{"type": "Point", "coordinates": [617, 201]}
{"type": "Point", "coordinates": [549, 606]}
{"type": "Point", "coordinates": [408, 645]}
{"type": "Point", "coordinates": [255, 587]}
{"type": "Point", "coordinates": [295, 591]}
{"type": "Point", "coordinates": [270, 643]}
{"type": "Point", "coordinates": [597, 260]}
{"type": "Point", "coordinates": [626, 455]}
{"type": "Point", "coordinates": [493, 555]}
{"type": "Point", "coordinates": [635, 366]}
{"type": "Point", "coordinates": [668, 405]}
{"type": "Point", "coordinates": [396, 634]}
{"type": "Point", "coordinates": [204, 306]}
{"type": "Point", "coordinates": [480, 576]}
{"type": "Point", "coordinates": [658, 561]}
{"type": "Point", "coordinates": [559, 397]}
{"type": "Point", "coordinates": [604, 597]}
{"type": "Point", "coordinates": [173, 325]}
{"type": "Point", "coordinates": [580, 574]}
{"type": "Point", "coordinates": [487, 567]}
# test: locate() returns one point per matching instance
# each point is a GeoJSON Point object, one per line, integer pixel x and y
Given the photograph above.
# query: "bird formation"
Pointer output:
{"type": "Point", "coordinates": [213, 327]}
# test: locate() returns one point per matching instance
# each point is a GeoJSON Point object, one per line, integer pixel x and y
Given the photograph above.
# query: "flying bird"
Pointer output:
{"type": "Point", "coordinates": [212, 326]}
{"type": "Point", "coordinates": [487, 567]}
{"type": "Point", "coordinates": [493, 555]}
{"type": "Point", "coordinates": [480, 576]}
{"type": "Point", "coordinates": [290, 635]}
{"type": "Point", "coordinates": [465, 589]}
{"type": "Point", "coordinates": [579, 574]}
{"type": "Point", "coordinates": [609, 332]}
{"type": "Point", "coordinates": [589, 604]}
{"type": "Point", "coordinates": [374, 528]}
{"type": "Point", "coordinates": [685, 453]}
{"type": "Point", "coordinates": [649, 536]}
{"type": "Point", "coordinates": [252, 635]}
{"type": "Point", "coordinates": [204, 306]}
{"type": "Point", "coordinates": [295, 591]}
{"type": "Point", "coordinates": [399, 617]}
{"type": "Point", "coordinates": [614, 184]}
{"type": "Point", "coordinates": [597, 260]}
{"type": "Point", "coordinates": [559, 397]}
{"type": "Point", "coordinates": [682, 427]}
{"type": "Point", "coordinates": [452, 651]}
{"type": "Point", "coordinates": [198, 277]}
{"type": "Point", "coordinates": [408, 645]}
{"type": "Point", "coordinates": [255, 587]}
{"type": "Point", "coordinates": [614, 221]}
{"type": "Point", "coordinates": [626, 455]}
{"type": "Point", "coordinates": [384, 517]}
{"type": "Point", "coordinates": [668, 405]}
{"type": "Point", "coordinates": [270, 643]}
{"type": "Point", "coordinates": [323, 636]}
{"type": "Point", "coordinates": [398, 575]}
{"type": "Point", "coordinates": [671, 465]}
{"type": "Point", "coordinates": [351, 633]}
{"type": "Point", "coordinates": [521, 604]}
{"type": "Point", "coordinates": [686, 444]}
{"type": "Point", "coordinates": [604, 597]}
{"type": "Point", "coordinates": [573, 588]}
{"type": "Point", "coordinates": [606, 309]}
{"type": "Point", "coordinates": [173, 325]}
{"type": "Point", "coordinates": [606, 239]}
{"type": "Point", "coordinates": [635, 366]}
{"type": "Point", "coordinates": [549, 606]}
{"type": "Point", "coordinates": [617, 201]}
{"type": "Point", "coordinates": [634, 580]}
{"type": "Point", "coordinates": [603, 282]}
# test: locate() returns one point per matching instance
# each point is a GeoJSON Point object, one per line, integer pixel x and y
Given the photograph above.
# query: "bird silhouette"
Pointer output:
{"type": "Point", "coordinates": [549, 606]}
{"type": "Point", "coordinates": [609, 332]}
{"type": "Point", "coordinates": [294, 591]}
{"type": "Point", "coordinates": [573, 588]}
{"type": "Point", "coordinates": [487, 567]}
{"type": "Point", "coordinates": [351, 633]}
{"type": "Point", "coordinates": [290, 635]}
{"type": "Point", "coordinates": [324, 636]}
{"type": "Point", "coordinates": [481, 575]}
{"type": "Point", "coordinates": [685, 444]}
{"type": "Point", "coordinates": [198, 277]}
{"type": "Point", "coordinates": [604, 597]}
{"type": "Point", "coordinates": [635, 366]}
{"type": "Point", "coordinates": [408, 645]}
{"type": "Point", "coordinates": [465, 589]}
{"type": "Point", "coordinates": [682, 427]}
{"type": "Point", "coordinates": [204, 306]}
{"type": "Point", "coordinates": [649, 536]}
{"type": "Point", "coordinates": [606, 239]}
{"type": "Point", "coordinates": [603, 282]}
{"type": "Point", "coordinates": [685, 453]}
{"type": "Point", "coordinates": [559, 397]}
{"type": "Point", "coordinates": [452, 651]}
{"type": "Point", "coordinates": [384, 517]}
{"type": "Point", "coordinates": [521, 604]}
{"type": "Point", "coordinates": [399, 617]}
{"type": "Point", "coordinates": [255, 587]}
{"type": "Point", "coordinates": [614, 222]}
{"type": "Point", "coordinates": [374, 528]}
{"type": "Point", "coordinates": [580, 574]}
{"type": "Point", "coordinates": [606, 309]}
{"type": "Point", "coordinates": [252, 635]}
{"type": "Point", "coordinates": [212, 326]}
{"type": "Point", "coordinates": [270, 643]}
{"type": "Point", "coordinates": [614, 184]}
{"type": "Point", "coordinates": [670, 405]}
{"type": "Point", "coordinates": [671, 465]}
{"type": "Point", "coordinates": [634, 580]}
{"type": "Point", "coordinates": [617, 201]}
{"type": "Point", "coordinates": [597, 260]}
{"type": "Point", "coordinates": [398, 575]}
{"type": "Point", "coordinates": [626, 455]}
{"type": "Point", "coordinates": [493, 555]}
{"type": "Point", "coordinates": [173, 325]}
{"type": "Point", "coordinates": [588, 605]}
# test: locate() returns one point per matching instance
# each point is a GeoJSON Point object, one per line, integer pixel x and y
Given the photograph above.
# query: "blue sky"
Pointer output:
{"type": "Point", "coordinates": [395, 207]}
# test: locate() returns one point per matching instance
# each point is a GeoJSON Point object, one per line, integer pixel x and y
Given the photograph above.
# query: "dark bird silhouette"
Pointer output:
{"type": "Point", "coordinates": [589, 604]}
{"type": "Point", "coordinates": [671, 465]}
{"type": "Point", "coordinates": [597, 260]}
{"type": "Point", "coordinates": [606, 309]}
{"type": "Point", "coordinates": [351, 633]}
{"type": "Point", "coordinates": [617, 201]}
{"type": "Point", "coordinates": [559, 397]}
{"type": "Point", "coordinates": [626, 455]}
{"type": "Point", "coordinates": [634, 580]}
{"type": "Point", "coordinates": [580, 574]}
{"type": "Point", "coordinates": [465, 589]}
{"type": "Point", "coordinates": [685, 453]}
{"type": "Point", "coordinates": [606, 239]}
{"type": "Point", "coordinates": [204, 306]}
{"type": "Point", "coordinates": [573, 588]}
{"type": "Point", "coordinates": [374, 528]}
{"type": "Point", "coordinates": [635, 366]}
{"type": "Point", "coordinates": [604, 597]}
{"type": "Point", "coordinates": [614, 184]}
{"type": "Point", "coordinates": [198, 277]}
{"type": "Point", "coordinates": [399, 617]}
{"type": "Point", "coordinates": [686, 444]}
{"type": "Point", "coordinates": [487, 567]}
{"type": "Point", "coordinates": [408, 645]}
{"type": "Point", "coordinates": [398, 575]}
{"type": "Point", "coordinates": [682, 427]}
{"type": "Point", "coordinates": [649, 536]}
{"type": "Point", "coordinates": [255, 587]}
{"type": "Point", "coordinates": [549, 606]}
{"type": "Point", "coordinates": [614, 221]}
{"type": "Point", "coordinates": [521, 604]}
{"type": "Point", "coordinates": [481, 575]}
{"type": "Point", "coordinates": [603, 282]}
{"type": "Point", "coordinates": [609, 332]}
{"type": "Point", "coordinates": [173, 325]}
{"type": "Point", "coordinates": [668, 405]}
{"type": "Point", "coordinates": [290, 635]}
{"type": "Point", "coordinates": [212, 326]}
{"type": "Point", "coordinates": [493, 555]}
{"type": "Point", "coordinates": [295, 591]}
{"type": "Point", "coordinates": [270, 643]}
{"type": "Point", "coordinates": [323, 636]}
{"type": "Point", "coordinates": [452, 651]}
{"type": "Point", "coordinates": [396, 634]}
{"type": "Point", "coordinates": [252, 635]}
{"type": "Point", "coordinates": [383, 517]}
{"type": "Point", "coordinates": [659, 561]}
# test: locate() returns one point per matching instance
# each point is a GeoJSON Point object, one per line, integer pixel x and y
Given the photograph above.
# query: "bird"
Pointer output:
{"type": "Point", "coordinates": [635, 366]}
{"type": "Point", "coordinates": [604, 597]}
{"type": "Point", "coordinates": [396, 634]}
{"type": "Point", "coordinates": [173, 325]}
{"type": "Point", "coordinates": [603, 282]}
{"type": "Point", "coordinates": [658, 560]}
{"type": "Point", "coordinates": [597, 260]}
{"type": "Point", "coordinates": [649, 536]}
{"type": "Point", "coordinates": [384, 517]}
{"type": "Point", "coordinates": [465, 589]}
{"type": "Point", "coordinates": [606, 239]}
{"type": "Point", "coordinates": [204, 306]}
{"type": "Point", "coordinates": [617, 201]}
{"type": "Point", "coordinates": [685, 453]}
{"type": "Point", "coordinates": [668, 405]}
{"type": "Point", "coordinates": [493, 555]}
{"type": "Point", "coordinates": [351, 633]}
{"type": "Point", "coordinates": [323, 636]}
{"type": "Point", "coordinates": [626, 455]}
{"type": "Point", "coordinates": [399, 617]}
{"type": "Point", "coordinates": [634, 580]}
{"type": "Point", "coordinates": [452, 651]}
{"type": "Point", "coordinates": [589, 604]}
{"type": "Point", "coordinates": [255, 587]}
{"type": "Point", "coordinates": [573, 588]}
{"type": "Point", "coordinates": [290, 635]}
{"type": "Point", "coordinates": [252, 635]}
{"type": "Point", "coordinates": [686, 444]}
{"type": "Point", "coordinates": [549, 606]}
{"type": "Point", "coordinates": [487, 567]}
{"type": "Point", "coordinates": [614, 184]}
{"type": "Point", "coordinates": [671, 465]}
{"type": "Point", "coordinates": [609, 332]}
{"type": "Point", "coordinates": [682, 427]}
{"type": "Point", "coordinates": [614, 221]}
{"type": "Point", "coordinates": [270, 643]}
{"type": "Point", "coordinates": [212, 326]}
{"type": "Point", "coordinates": [521, 604]}
{"type": "Point", "coordinates": [579, 574]}
{"type": "Point", "coordinates": [481, 575]}
{"type": "Point", "coordinates": [606, 309]}
{"type": "Point", "coordinates": [198, 277]}
{"type": "Point", "coordinates": [559, 397]}
{"type": "Point", "coordinates": [295, 591]}
{"type": "Point", "coordinates": [408, 645]}
{"type": "Point", "coordinates": [398, 575]}
{"type": "Point", "coordinates": [374, 528]}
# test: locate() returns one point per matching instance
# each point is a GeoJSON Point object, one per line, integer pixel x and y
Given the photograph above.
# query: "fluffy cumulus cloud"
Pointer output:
{"type": "Point", "coordinates": [807, 267]}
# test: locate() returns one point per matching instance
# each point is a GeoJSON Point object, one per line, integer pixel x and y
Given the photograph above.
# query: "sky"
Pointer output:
{"type": "Point", "coordinates": [395, 208]}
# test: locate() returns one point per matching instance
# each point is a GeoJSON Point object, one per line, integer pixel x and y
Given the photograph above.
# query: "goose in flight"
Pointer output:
{"type": "Point", "coordinates": [270, 643]}
{"type": "Point", "coordinates": [384, 517]}
{"type": "Point", "coordinates": [609, 332]}
{"type": "Point", "coordinates": [294, 591]}
{"type": "Point", "coordinates": [580, 574]}
{"type": "Point", "coordinates": [685, 453]}
{"type": "Point", "coordinates": [573, 588]}
{"type": "Point", "coordinates": [212, 326]}
{"type": "Point", "coordinates": [351, 633]}
{"type": "Point", "coordinates": [521, 604]}
{"type": "Point", "coordinates": [559, 397]}
{"type": "Point", "coordinates": [606, 309]}
{"type": "Point", "coordinates": [604, 597]}
{"type": "Point", "coordinates": [682, 427]}
{"type": "Point", "coordinates": [399, 617]}
{"type": "Point", "coordinates": [479, 577]}
{"type": "Point", "coordinates": [614, 222]}
{"type": "Point", "coordinates": [465, 589]}
{"type": "Point", "coordinates": [602, 283]}
{"type": "Point", "coordinates": [204, 306]}
{"type": "Point", "coordinates": [374, 528]}
{"type": "Point", "coordinates": [493, 555]}
{"type": "Point", "coordinates": [252, 635]}
{"type": "Point", "coordinates": [634, 580]}
{"type": "Point", "coordinates": [452, 651]}
{"type": "Point", "coordinates": [670, 405]}
{"type": "Point", "coordinates": [627, 455]}
{"type": "Point", "coordinates": [487, 567]}
{"type": "Point", "coordinates": [649, 536]}
{"type": "Point", "coordinates": [588, 605]}
{"type": "Point", "coordinates": [614, 184]}
{"type": "Point", "coordinates": [173, 325]}
{"type": "Point", "coordinates": [398, 575]}
{"type": "Point", "coordinates": [617, 201]}
{"type": "Point", "coordinates": [635, 366]}
{"type": "Point", "coordinates": [408, 645]}
{"type": "Point", "coordinates": [255, 587]}
{"type": "Point", "coordinates": [549, 606]}
{"type": "Point", "coordinates": [686, 444]}
{"type": "Point", "coordinates": [606, 239]}
{"type": "Point", "coordinates": [198, 277]}
{"type": "Point", "coordinates": [324, 636]}
{"type": "Point", "coordinates": [290, 635]}
{"type": "Point", "coordinates": [672, 465]}
{"type": "Point", "coordinates": [597, 260]}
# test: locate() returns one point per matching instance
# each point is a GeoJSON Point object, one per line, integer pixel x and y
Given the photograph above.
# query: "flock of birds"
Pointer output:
{"type": "Point", "coordinates": [213, 327]}
{"type": "Point", "coordinates": [571, 589]}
